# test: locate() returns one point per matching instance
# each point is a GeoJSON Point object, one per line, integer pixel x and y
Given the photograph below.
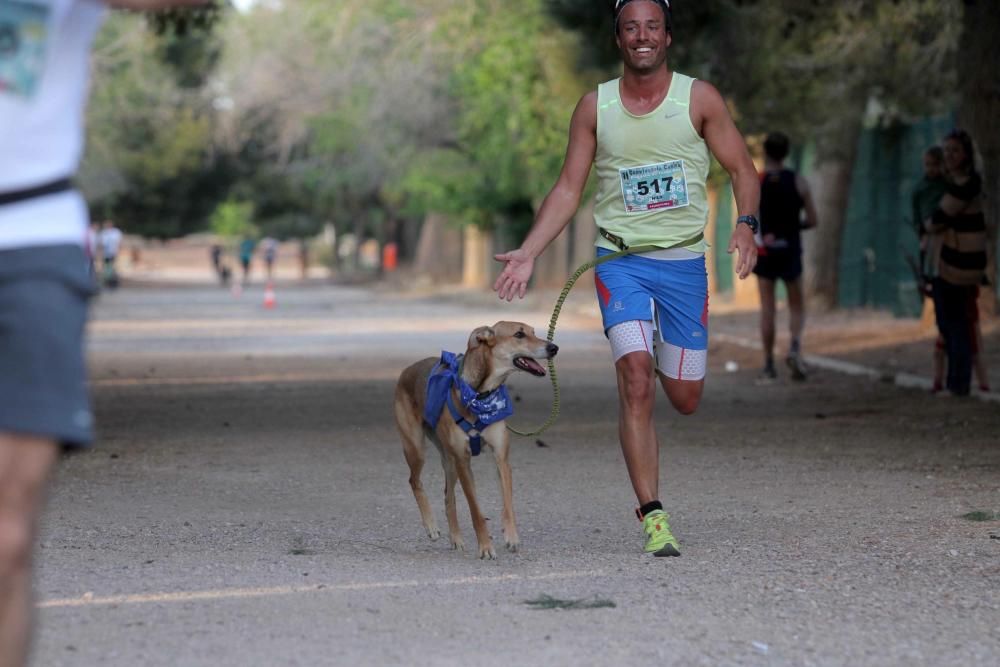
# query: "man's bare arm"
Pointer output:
{"type": "Point", "coordinates": [563, 200]}
{"type": "Point", "coordinates": [729, 148]}
{"type": "Point", "coordinates": [812, 219]}
{"type": "Point", "coordinates": [559, 205]}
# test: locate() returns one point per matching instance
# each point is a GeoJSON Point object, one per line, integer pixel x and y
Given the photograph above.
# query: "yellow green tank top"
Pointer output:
{"type": "Point", "coordinates": [651, 170]}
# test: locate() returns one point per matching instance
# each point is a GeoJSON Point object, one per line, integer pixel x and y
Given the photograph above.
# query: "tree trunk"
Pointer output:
{"type": "Point", "coordinates": [477, 257]}
{"type": "Point", "coordinates": [979, 109]}
{"type": "Point", "coordinates": [439, 251]}
{"type": "Point", "coordinates": [831, 187]}
{"type": "Point", "coordinates": [552, 266]}
{"type": "Point", "coordinates": [358, 229]}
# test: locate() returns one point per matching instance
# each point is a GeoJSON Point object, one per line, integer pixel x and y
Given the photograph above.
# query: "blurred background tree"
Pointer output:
{"type": "Point", "coordinates": [152, 163]}
{"type": "Point", "coordinates": [375, 118]}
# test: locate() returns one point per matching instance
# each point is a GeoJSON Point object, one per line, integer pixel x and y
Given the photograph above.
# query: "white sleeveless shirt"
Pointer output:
{"type": "Point", "coordinates": [44, 74]}
{"type": "Point", "coordinates": [651, 169]}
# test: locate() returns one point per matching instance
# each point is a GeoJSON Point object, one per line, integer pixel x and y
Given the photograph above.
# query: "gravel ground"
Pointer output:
{"type": "Point", "coordinates": [247, 503]}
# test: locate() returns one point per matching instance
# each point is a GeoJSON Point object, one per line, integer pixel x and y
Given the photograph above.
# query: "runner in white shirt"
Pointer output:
{"type": "Point", "coordinates": [111, 241]}
{"type": "Point", "coordinates": [44, 280]}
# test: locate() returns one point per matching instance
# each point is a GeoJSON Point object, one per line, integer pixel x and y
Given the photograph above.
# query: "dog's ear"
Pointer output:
{"type": "Point", "coordinates": [482, 336]}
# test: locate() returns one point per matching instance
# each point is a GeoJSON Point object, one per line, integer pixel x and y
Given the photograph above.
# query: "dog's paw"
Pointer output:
{"type": "Point", "coordinates": [487, 552]}
{"type": "Point", "coordinates": [513, 546]}
{"type": "Point", "coordinates": [434, 534]}
{"type": "Point", "coordinates": [457, 544]}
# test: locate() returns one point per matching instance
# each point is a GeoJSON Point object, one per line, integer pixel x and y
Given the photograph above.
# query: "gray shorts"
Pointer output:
{"type": "Point", "coordinates": [44, 292]}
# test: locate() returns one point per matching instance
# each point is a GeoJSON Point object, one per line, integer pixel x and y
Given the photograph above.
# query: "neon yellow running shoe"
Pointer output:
{"type": "Point", "coordinates": [659, 541]}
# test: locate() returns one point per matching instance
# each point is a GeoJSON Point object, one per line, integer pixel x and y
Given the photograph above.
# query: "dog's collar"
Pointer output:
{"type": "Point", "coordinates": [461, 367]}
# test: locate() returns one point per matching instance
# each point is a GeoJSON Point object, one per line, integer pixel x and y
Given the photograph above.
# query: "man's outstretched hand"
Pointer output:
{"type": "Point", "coordinates": [743, 241]}
{"type": "Point", "coordinates": [513, 280]}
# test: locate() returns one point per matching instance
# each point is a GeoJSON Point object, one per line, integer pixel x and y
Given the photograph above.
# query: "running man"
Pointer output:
{"type": "Point", "coordinates": [649, 133]}
{"type": "Point", "coordinates": [45, 281]}
{"type": "Point", "coordinates": [783, 197]}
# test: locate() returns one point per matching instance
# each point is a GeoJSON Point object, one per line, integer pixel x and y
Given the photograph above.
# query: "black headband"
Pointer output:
{"type": "Point", "coordinates": [663, 4]}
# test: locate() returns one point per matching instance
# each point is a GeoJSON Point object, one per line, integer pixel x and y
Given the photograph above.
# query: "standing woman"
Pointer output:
{"type": "Point", "coordinates": [961, 224]}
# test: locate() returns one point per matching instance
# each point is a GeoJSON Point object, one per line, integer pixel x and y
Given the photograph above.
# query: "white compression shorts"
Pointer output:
{"type": "Point", "coordinates": [675, 362]}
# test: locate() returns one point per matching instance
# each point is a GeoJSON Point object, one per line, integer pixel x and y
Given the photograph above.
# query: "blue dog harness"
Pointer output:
{"type": "Point", "coordinates": [487, 408]}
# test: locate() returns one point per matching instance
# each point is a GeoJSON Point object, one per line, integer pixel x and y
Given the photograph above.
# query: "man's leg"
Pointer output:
{"type": "Point", "coordinates": [976, 337]}
{"type": "Point", "coordinates": [627, 311]}
{"type": "Point", "coordinates": [796, 324]}
{"type": "Point", "coordinates": [636, 431]}
{"type": "Point", "coordinates": [950, 308]}
{"type": "Point", "coordinates": [939, 360]}
{"type": "Point", "coordinates": [765, 287]}
{"type": "Point", "coordinates": [25, 463]}
{"type": "Point", "coordinates": [796, 313]}
{"type": "Point", "coordinates": [636, 397]}
{"type": "Point", "coordinates": [684, 395]}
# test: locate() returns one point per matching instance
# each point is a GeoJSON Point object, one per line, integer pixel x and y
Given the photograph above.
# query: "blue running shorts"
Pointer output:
{"type": "Point", "coordinates": [671, 292]}
{"type": "Point", "coordinates": [44, 292]}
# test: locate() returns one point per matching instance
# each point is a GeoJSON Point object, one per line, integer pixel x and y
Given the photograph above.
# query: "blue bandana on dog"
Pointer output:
{"type": "Point", "coordinates": [487, 409]}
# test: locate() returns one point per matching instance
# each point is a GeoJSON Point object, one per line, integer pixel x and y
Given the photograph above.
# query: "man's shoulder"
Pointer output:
{"type": "Point", "coordinates": [603, 89]}
{"type": "Point", "coordinates": [702, 88]}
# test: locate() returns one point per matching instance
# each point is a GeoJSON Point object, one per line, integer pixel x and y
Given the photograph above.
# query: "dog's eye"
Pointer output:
{"type": "Point", "coordinates": [519, 334]}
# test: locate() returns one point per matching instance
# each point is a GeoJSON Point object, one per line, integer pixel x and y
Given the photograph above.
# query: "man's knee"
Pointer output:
{"type": "Point", "coordinates": [24, 467]}
{"type": "Point", "coordinates": [16, 536]}
{"type": "Point", "coordinates": [687, 405]}
{"type": "Point", "coordinates": [685, 397]}
{"type": "Point", "coordinates": [635, 379]}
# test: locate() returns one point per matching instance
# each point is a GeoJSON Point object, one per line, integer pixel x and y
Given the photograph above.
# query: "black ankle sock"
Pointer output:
{"type": "Point", "coordinates": [649, 507]}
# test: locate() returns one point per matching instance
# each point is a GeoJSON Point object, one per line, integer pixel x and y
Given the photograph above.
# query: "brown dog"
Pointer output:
{"type": "Point", "coordinates": [493, 354]}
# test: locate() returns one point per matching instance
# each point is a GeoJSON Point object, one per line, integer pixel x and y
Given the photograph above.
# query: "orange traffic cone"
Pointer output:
{"type": "Point", "coordinates": [269, 300]}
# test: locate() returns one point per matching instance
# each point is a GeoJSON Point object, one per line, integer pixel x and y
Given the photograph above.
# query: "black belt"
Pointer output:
{"type": "Point", "coordinates": [620, 242]}
{"type": "Point", "coordinates": [55, 187]}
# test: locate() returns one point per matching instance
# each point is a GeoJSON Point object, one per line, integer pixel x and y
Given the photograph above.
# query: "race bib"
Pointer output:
{"type": "Point", "coordinates": [654, 186]}
{"type": "Point", "coordinates": [23, 37]}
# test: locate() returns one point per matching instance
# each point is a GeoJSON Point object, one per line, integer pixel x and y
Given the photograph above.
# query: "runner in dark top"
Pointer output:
{"type": "Point", "coordinates": [784, 195]}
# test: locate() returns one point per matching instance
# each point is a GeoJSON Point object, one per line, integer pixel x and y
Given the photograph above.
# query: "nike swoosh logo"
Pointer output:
{"type": "Point", "coordinates": [671, 115]}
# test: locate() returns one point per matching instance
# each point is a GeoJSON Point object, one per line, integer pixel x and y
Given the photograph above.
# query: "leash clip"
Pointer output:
{"type": "Point", "coordinates": [617, 240]}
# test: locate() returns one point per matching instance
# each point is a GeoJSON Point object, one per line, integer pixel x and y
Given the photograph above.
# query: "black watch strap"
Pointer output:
{"type": "Point", "coordinates": [750, 221]}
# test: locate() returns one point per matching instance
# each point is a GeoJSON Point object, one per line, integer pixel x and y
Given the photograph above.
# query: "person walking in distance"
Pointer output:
{"type": "Point", "coordinates": [784, 196]}
{"type": "Point", "coordinates": [111, 242]}
{"type": "Point", "coordinates": [45, 282]}
{"type": "Point", "coordinates": [961, 259]}
{"type": "Point", "coordinates": [650, 134]}
{"type": "Point", "coordinates": [269, 246]}
{"type": "Point", "coordinates": [247, 246]}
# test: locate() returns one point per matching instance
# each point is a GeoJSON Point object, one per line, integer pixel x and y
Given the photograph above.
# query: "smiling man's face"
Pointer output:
{"type": "Point", "coordinates": [642, 36]}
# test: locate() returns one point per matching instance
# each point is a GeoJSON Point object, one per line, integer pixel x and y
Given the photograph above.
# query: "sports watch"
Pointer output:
{"type": "Point", "coordinates": [750, 221]}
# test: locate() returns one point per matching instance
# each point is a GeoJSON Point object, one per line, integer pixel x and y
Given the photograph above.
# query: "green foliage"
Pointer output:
{"type": "Point", "coordinates": [357, 112]}
{"type": "Point", "coordinates": [150, 162]}
{"type": "Point", "coordinates": [190, 54]}
{"type": "Point", "coordinates": [181, 21]}
{"type": "Point", "coordinates": [234, 219]}
{"type": "Point", "coordinates": [515, 91]}
{"type": "Point", "coordinates": [805, 67]}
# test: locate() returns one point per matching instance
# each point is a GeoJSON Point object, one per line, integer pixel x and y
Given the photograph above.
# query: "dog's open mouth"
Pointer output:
{"type": "Point", "coordinates": [530, 365]}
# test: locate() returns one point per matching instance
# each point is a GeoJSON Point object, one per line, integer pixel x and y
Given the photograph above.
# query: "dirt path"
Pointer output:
{"type": "Point", "coordinates": [248, 505]}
